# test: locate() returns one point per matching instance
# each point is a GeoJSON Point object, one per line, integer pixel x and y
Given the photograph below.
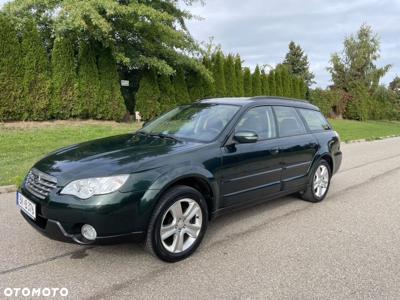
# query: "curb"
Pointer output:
{"type": "Point", "coordinates": [8, 189]}
{"type": "Point", "coordinates": [372, 139]}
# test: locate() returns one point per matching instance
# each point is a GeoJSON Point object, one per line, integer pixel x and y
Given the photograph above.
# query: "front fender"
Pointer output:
{"type": "Point", "coordinates": [169, 178]}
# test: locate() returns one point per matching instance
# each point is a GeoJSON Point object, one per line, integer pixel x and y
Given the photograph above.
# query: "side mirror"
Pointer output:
{"type": "Point", "coordinates": [246, 137]}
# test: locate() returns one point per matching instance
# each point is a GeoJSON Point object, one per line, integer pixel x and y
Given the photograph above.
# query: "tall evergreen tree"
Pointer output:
{"type": "Point", "coordinates": [292, 85]}
{"type": "Point", "coordinates": [181, 90]}
{"type": "Point", "coordinates": [209, 86]}
{"type": "Point", "coordinates": [148, 95]}
{"type": "Point", "coordinates": [219, 74]}
{"type": "Point", "coordinates": [10, 71]}
{"type": "Point", "coordinates": [247, 83]}
{"type": "Point", "coordinates": [303, 89]}
{"type": "Point", "coordinates": [167, 93]}
{"type": "Point", "coordinates": [195, 86]}
{"type": "Point", "coordinates": [230, 77]}
{"type": "Point", "coordinates": [285, 79]}
{"type": "Point", "coordinates": [264, 83]}
{"type": "Point", "coordinates": [88, 82]}
{"type": "Point", "coordinates": [110, 104]}
{"type": "Point", "coordinates": [298, 64]}
{"type": "Point", "coordinates": [272, 83]}
{"type": "Point", "coordinates": [239, 76]}
{"type": "Point", "coordinates": [256, 82]}
{"type": "Point", "coordinates": [297, 88]}
{"type": "Point", "coordinates": [278, 82]}
{"type": "Point", "coordinates": [35, 84]}
{"type": "Point", "coordinates": [64, 96]}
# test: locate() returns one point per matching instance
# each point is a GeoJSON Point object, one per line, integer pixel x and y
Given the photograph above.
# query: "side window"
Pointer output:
{"type": "Point", "coordinates": [315, 120]}
{"type": "Point", "coordinates": [260, 120]}
{"type": "Point", "coordinates": [289, 122]}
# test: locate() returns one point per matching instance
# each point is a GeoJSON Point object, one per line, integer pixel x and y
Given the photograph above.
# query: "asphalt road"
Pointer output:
{"type": "Point", "coordinates": [346, 247]}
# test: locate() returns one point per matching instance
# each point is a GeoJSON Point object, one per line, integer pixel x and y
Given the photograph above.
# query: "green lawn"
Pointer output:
{"type": "Point", "coordinates": [371, 130]}
{"type": "Point", "coordinates": [21, 145]}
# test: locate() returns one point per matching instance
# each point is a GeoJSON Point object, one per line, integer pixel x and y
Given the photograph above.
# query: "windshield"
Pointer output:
{"type": "Point", "coordinates": [201, 121]}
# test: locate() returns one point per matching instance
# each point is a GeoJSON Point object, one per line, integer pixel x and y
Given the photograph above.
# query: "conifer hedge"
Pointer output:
{"type": "Point", "coordinates": [39, 85]}
{"type": "Point", "coordinates": [76, 77]}
{"type": "Point", "coordinates": [10, 72]}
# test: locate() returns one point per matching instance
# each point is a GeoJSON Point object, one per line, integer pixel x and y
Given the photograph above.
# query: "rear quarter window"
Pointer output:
{"type": "Point", "coordinates": [314, 120]}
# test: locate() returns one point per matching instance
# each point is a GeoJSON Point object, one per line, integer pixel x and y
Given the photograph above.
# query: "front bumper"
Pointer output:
{"type": "Point", "coordinates": [116, 217]}
{"type": "Point", "coordinates": [54, 230]}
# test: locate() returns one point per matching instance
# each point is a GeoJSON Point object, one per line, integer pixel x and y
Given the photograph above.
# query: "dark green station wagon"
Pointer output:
{"type": "Point", "coordinates": [164, 183]}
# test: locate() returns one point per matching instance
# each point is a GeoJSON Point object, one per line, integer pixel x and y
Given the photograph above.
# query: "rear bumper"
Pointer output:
{"type": "Point", "coordinates": [55, 230]}
{"type": "Point", "coordinates": [337, 161]}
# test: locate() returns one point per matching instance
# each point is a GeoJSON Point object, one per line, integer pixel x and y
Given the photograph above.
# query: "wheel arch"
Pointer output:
{"type": "Point", "coordinates": [199, 183]}
{"type": "Point", "coordinates": [199, 179]}
{"type": "Point", "coordinates": [328, 158]}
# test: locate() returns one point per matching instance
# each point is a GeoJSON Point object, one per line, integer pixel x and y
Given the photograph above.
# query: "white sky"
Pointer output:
{"type": "Point", "coordinates": [260, 30]}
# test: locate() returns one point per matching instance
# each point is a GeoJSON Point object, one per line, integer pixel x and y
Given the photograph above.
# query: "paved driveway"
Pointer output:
{"type": "Point", "coordinates": [345, 247]}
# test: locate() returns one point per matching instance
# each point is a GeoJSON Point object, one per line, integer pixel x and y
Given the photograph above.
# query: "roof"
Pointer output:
{"type": "Point", "coordinates": [267, 100]}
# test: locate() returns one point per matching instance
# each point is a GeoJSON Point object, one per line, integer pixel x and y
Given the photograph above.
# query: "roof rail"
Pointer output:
{"type": "Point", "coordinates": [204, 98]}
{"type": "Point", "coordinates": [278, 97]}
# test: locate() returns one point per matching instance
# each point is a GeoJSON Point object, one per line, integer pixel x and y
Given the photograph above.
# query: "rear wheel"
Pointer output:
{"type": "Point", "coordinates": [318, 186]}
{"type": "Point", "coordinates": [178, 224]}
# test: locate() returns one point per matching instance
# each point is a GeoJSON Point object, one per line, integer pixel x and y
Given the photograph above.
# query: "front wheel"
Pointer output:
{"type": "Point", "coordinates": [318, 186]}
{"type": "Point", "coordinates": [178, 224]}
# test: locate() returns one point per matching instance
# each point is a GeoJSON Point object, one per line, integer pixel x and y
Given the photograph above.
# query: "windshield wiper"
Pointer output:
{"type": "Point", "coordinates": [160, 135]}
{"type": "Point", "coordinates": [165, 136]}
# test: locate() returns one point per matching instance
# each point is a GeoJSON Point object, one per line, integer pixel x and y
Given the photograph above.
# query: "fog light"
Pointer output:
{"type": "Point", "coordinates": [89, 232]}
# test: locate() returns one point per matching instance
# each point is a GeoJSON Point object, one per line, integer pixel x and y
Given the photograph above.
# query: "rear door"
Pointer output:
{"type": "Point", "coordinates": [297, 148]}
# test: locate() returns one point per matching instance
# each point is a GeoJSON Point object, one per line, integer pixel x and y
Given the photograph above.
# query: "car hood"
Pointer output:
{"type": "Point", "coordinates": [123, 154]}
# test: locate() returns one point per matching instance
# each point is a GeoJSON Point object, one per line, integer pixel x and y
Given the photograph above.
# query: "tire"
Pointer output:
{"type": "Point", "coordinates": [183, 230]}
{"type": "Point", "coordinates": [314, 195]}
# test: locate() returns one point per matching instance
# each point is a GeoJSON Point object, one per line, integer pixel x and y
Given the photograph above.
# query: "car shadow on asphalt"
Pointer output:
{"type": "Point", "coordinates": [221, 228]}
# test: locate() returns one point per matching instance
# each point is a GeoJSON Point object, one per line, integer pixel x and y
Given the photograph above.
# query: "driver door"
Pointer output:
{"type": "Point", "coordinates": [252, 171]}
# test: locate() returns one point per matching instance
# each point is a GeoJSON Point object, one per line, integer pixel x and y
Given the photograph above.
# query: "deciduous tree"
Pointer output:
{"type": "Point", "coordinates": [357, 63]}
{"type": "Point", "coordinates": [142, 34]}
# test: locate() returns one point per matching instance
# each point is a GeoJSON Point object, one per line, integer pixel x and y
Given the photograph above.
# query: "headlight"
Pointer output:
{"type": "Point", "coordinates": [86, 188]}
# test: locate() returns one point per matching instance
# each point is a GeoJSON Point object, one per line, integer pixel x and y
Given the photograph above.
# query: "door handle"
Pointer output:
{"type": "Point", "coordinates": [275, 151]}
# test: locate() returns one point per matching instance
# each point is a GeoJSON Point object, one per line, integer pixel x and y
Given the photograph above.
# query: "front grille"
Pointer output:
{"type": "Point", "coordinates": [40, 184]}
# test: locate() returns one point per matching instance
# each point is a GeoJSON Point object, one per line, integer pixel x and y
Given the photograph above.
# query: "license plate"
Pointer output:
{"type": "Point", "coordinates": [26, 205]}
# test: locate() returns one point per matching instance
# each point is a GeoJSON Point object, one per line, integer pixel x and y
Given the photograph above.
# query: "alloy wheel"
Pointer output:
{"type": "Point", "coordinates": [321, 181]}
{"type": "Point", "coordinates": [181, 225]}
